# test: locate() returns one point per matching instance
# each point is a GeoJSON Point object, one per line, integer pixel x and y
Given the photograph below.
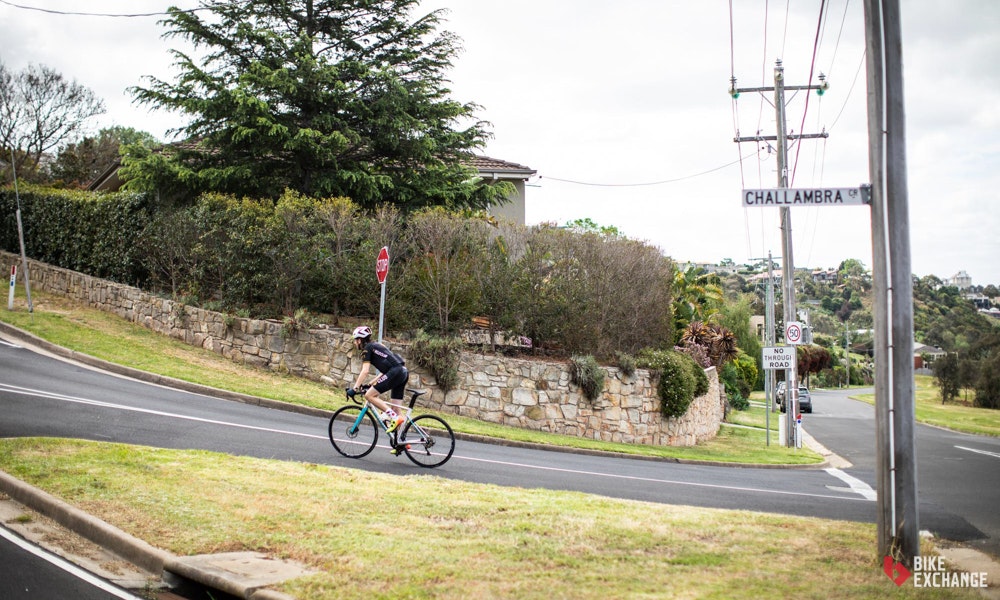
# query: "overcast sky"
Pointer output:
{"type": "Point", "coordinates": [622, 108]}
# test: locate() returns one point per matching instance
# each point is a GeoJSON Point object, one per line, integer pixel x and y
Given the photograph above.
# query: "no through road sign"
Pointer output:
{"type": "Point", "coordinates": [778, 358]}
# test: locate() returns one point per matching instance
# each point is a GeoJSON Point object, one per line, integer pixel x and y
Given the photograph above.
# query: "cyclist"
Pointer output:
{"type": "Point", "coordinates": [393, 375]}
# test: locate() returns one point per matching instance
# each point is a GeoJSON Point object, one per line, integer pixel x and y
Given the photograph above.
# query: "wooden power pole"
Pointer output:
{"type": "Point", "coordinates": [896, 468]}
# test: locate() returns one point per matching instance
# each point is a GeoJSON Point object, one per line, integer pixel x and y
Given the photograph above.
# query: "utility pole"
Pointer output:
{"type": "Point", "coordinates": [847, 353]}
{"type": "Point", "coordinates": [769, 341]}
{"type": "Point", "coordinates": [788, 263]}
{"type": "Point", "coordinates": [897, 518]}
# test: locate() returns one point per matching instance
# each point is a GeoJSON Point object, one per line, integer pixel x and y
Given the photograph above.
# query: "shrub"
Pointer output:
{"type": "Point", "coordinates": [586, 373]}
{"type": "Point", "coordinates": [681, 379]}
{"type": "Point", "coordinates": [988, 385]}
{"type": "Point", "coordinates": [737, 401]}
{"type": "Point", "coordinates": [626, 362]}
{"type": "Point", "coordinates": [698, 374]}
{"type": "Point", "coordinates": [440, 356]}
{"type": "Point", "coordinates": [302, 320]}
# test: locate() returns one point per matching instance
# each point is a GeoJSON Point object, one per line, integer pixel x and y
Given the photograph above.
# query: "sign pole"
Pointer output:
{"type": "Point", "coordinates": [382, 271]}
{"type": "Point", "coordinates": [381, 314]}
{"type": "Point", "coordinates": [20, 236]}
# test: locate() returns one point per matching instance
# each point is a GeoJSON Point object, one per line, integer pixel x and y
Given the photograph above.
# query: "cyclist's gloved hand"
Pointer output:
{"type": "Point", "coordinates": [351, 393]}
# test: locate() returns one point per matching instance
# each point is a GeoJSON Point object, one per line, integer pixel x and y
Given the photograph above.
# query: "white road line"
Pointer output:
{"type": "Point", "coordinates": [8, 344]}
{"type": "Point", "coordinates": [160, 413]}
{"type": "Point", "coordinates": [856, 485]}
{"type": "Point", "coordinates": [54, 396]}
{"type": "Point", "coordinates": [734, 488]}
{"type": "Point", "coordinates": [67, 566]}
{"type": "Point", "coordinates": [986, 452]}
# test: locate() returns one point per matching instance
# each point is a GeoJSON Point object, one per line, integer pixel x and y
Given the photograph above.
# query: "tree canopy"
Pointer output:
{"type": "Point", "coordinates": [324, 97]}
{"type": "Point", "coordinates": [79, 163]}
{"type": "Point", "coordinates": [39, 111]}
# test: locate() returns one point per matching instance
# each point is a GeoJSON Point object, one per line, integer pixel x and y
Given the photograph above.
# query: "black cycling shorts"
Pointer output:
{"type": "Point", "coordinates": [395, 379]}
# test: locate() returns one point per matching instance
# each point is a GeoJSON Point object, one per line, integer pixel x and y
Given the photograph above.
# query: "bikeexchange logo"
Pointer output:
{"type": "Point", "coordinates": [930, 572]}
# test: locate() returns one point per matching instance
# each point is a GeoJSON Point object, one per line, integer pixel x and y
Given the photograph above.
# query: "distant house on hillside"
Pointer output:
{"type": "Point", "coordinates": [490, 170]}
{"type": "Point", "coordinates": [961, 280]}
{"type": "Point", "coordinates": [825, 276]}
{"type": "Point", "coordinates": [924, 356]}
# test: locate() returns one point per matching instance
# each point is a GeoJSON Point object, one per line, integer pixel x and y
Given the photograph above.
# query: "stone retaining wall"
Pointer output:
{"type": "Point", "coordinates": [524, 393]}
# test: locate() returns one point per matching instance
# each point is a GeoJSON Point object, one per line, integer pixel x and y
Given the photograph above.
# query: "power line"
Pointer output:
{"type": "Point", "coordinates": [836, 47]}
{"type": "Point", "coordinates": [719, 168]}
{"type": "Point", "coordinates": [87, 14]}
{"type": "Point", "coordinates": [812, 66]}
{"type": "Point", "coordinates": [851, 90]}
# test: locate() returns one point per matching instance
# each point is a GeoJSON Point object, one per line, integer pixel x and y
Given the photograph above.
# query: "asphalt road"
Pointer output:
{"type": "Point", "coordinates": [29, 573]}
{"type": "Point", "coordinates": [958, 476]}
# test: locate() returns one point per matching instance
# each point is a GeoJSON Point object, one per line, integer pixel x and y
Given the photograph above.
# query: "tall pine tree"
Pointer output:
{"type": "Point", "coordinates": [325, 97]}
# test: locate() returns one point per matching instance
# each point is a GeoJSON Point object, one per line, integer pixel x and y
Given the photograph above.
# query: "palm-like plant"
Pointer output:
{"type": "Point", "coordinates": [697, 296]}
{"type": "Point", "coordinates": [724, 348]}
{"type": "Point", "coordinates": [711, 340]}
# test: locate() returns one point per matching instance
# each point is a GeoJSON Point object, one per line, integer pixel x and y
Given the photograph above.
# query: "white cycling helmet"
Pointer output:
{"type": "Point", "coordinates": [362, 332]}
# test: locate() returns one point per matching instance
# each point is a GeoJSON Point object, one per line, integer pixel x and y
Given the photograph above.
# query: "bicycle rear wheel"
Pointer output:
{"type": "Point", "coordinates": [428, 441]}
{"type": "Point", "coordinates": [352, 433]}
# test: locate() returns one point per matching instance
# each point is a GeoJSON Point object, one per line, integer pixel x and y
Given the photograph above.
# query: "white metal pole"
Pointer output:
{"type": "Point", "coordinates": [381, 314]}
{"type": "Point", "coordinates": [13, 281]}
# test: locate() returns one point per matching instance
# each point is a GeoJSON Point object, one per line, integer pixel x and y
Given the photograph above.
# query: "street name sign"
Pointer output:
{"type": "Point", "coordinates": [778, 357]}
{"type": "Point", "coordinates": [786, 197]}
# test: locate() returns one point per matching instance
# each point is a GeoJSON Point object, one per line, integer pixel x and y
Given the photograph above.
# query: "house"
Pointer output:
{"type": "Point", "coordinates": [825, 276]}
{"type": "Point", "coordinates": [494, 169]}
{"type": "Point", "coordinates": [757, 325]}
{"type": "Point", "coordinates": [490, 170]}
{"type": "Point", "coordinates": [961, 280]}
{"type": "Point", "coordinates": [761, 279]}
{"type": "Point", "coordinates": [924, 356]}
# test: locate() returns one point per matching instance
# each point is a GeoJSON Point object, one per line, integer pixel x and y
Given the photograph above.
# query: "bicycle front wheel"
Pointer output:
{"type": "Point", "coordinates": [427, 440]}
{"type": "Point", "coordinates": [353, 433]}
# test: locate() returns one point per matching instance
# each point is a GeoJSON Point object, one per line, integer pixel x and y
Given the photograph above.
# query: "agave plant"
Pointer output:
{"type": "Point", "coordinates": [697, 333]}
{"type": "Point", "coordinates": [724, 348]}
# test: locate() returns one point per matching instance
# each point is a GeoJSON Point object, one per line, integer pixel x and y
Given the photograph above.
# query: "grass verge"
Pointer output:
{"type": "Point", "coordinates": [371, 535]}
{"type": "Point", "coordinates": [958, 416]}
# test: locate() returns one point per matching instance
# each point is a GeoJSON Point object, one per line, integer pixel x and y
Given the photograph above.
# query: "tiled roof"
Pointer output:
{"type": "Point", "coordinates": [496, 168]}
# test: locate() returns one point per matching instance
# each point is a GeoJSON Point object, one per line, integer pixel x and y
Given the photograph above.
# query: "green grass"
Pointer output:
{"type": "Point", "coordinates": [116, 340]}
{"type": "Point", "coordinates": [958, 416]}
{"type": "Point", "coordinates": [373, 535]}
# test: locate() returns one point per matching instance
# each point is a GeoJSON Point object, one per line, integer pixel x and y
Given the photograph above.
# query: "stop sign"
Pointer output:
{"type": "Point", "coordinates": [382, 264]}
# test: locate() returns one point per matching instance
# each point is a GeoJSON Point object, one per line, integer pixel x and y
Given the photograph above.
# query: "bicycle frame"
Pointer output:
{"type": "Point", "coordinates": [415, 436]}
{"type": "Point", "coordinates": [367, 407]}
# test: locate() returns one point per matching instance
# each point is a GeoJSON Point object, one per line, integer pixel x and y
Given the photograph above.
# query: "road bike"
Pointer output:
{"type": "Point", "coordinates": [427, 440]}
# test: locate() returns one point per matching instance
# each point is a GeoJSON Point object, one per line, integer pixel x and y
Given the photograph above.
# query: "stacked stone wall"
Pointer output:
{"type": "Point", "coordinates": [526, 393]}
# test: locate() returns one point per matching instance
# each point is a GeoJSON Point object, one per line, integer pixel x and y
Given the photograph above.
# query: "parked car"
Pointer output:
{"type": "Point", "coordinates": [805, 398]}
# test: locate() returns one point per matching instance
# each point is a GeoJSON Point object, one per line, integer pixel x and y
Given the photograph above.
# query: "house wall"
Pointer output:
{"type": "Point", "coordinates": [514, 210]}
{"type": "Point", "coordinates": [524, 393]}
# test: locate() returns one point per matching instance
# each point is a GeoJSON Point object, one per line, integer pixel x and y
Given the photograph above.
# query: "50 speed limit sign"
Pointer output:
{"type": "Point", "coordinates": [793, 332]}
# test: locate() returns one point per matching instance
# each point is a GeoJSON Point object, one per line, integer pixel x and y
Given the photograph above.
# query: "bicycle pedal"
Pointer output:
{"type": "Point", "coordinates": [397, 450]}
